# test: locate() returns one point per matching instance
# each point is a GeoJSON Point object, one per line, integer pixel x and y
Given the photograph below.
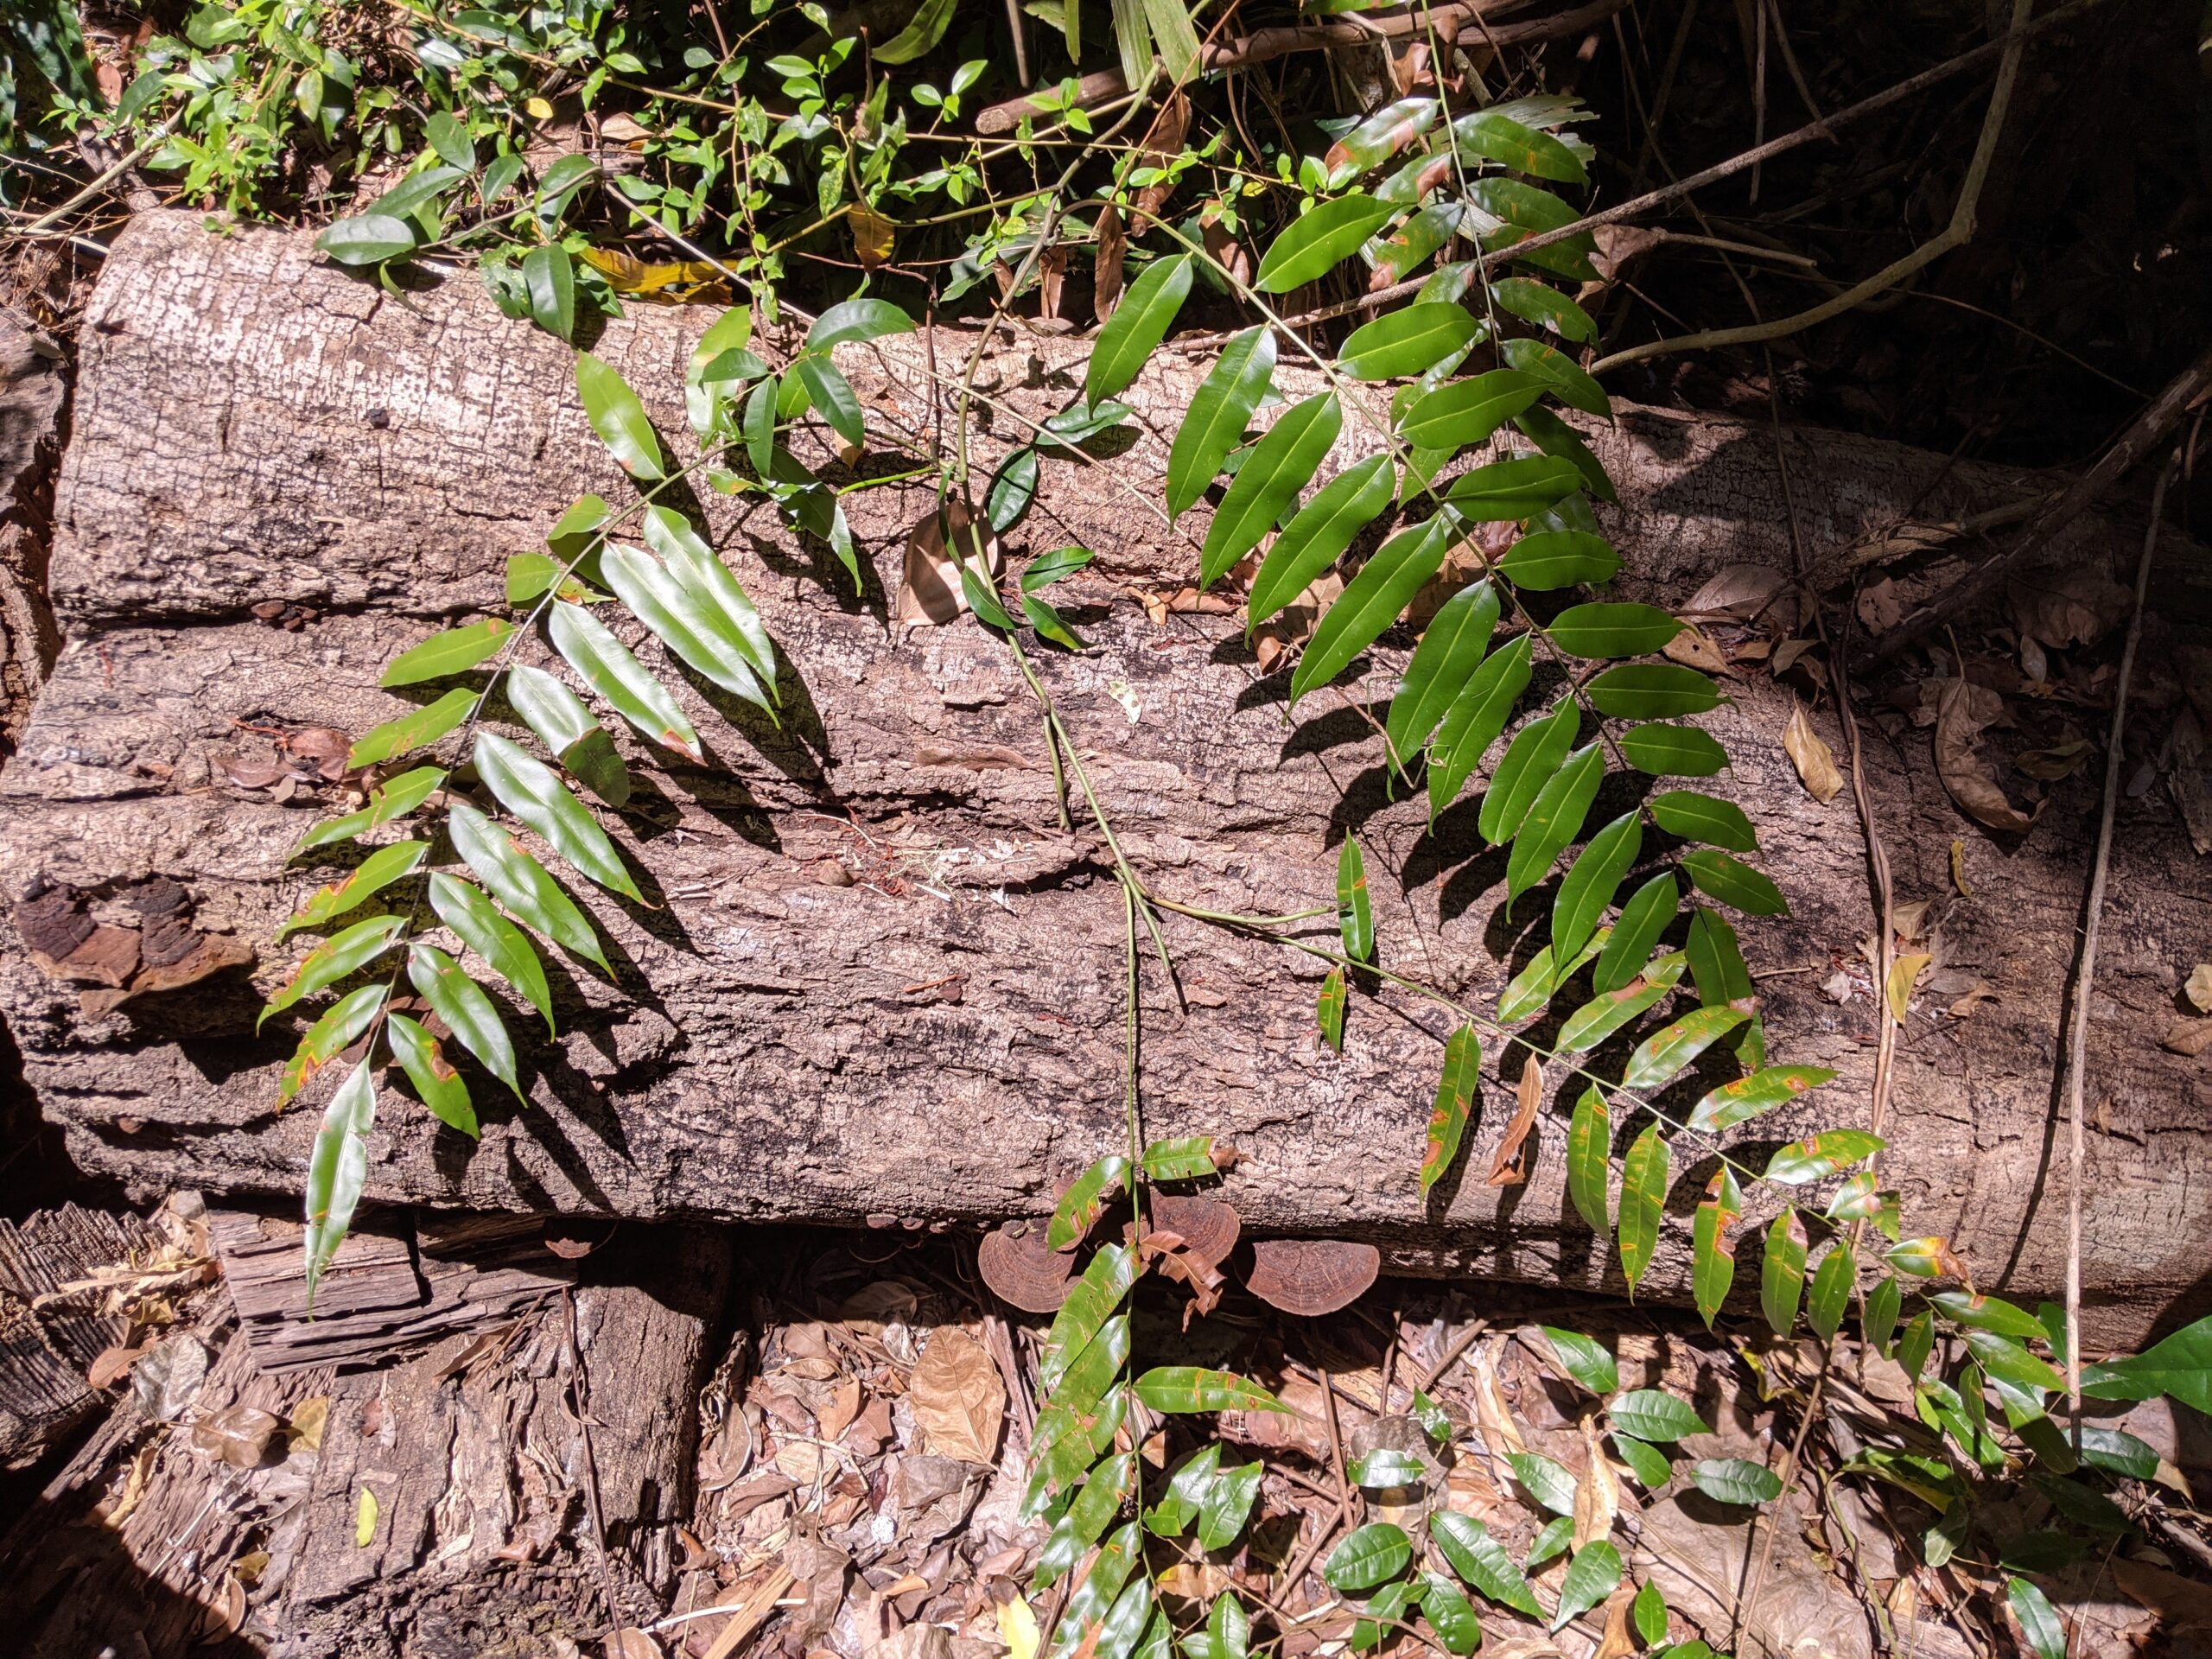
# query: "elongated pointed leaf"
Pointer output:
{"type": "Point", "coordinates": [1083, 1317]}
{"type": "Point", "coordinates": [858, 319]}
{"type": "Point", "coordinates": [1589, 1160]}
{"type": "Point", "coordinates": [1468, 412]}
{"type": "Point", "coordinates": [396, 798]}
{"type": "Point", "coordinates": [1782, 1273]}
{"type": "Point", "coordinates": [1536, 985]}
{"type": "Point", "coordinates": [1604, 628]}
{"type": "Point", "coordinates": [1386, 584]}
{"type": "Point", "coordinates": [1481, 1562]}
{"type": "Point", "coordinates": [1510, 491]}
{"type": "Point", "coordinates": [1085, 1200]}
{"type": "Point", "coordinates": [438, 1083]}
{"type": "Point", "coordinates": [1588, 1361]}
{"type": "Point", "coordinates": [1317, 535]}
{"type": "Point", "coordinates": [1531, 761]}
{"type": "Point", "coordinates": [1218, 413]}
{"type": "Point", "coordinates": [1280, 465]}
{"type": "Point", "coordinates": [2039, 1621]}
{"type": "Point", "coordinates": [1647, 1463]}
{"type": "Point", "coordinates": [1650, 910]}
{"type": "Point", "coordinates": [629, 686]}
{"type": "Point", "coordinates": [1673, 751]}
{"type": "Point", "coordinates": [1655, 1415]}
{"type": "Point", "coordinates": [550, 278]}
{"type": "Point", "coordinates": [1525, 211]}
{"type": "Point", "coordinates": [521, 884]}
{"type": "Point", "coordinates": [1373, 1554]}
{"type": "Point", "coordinates": [1694, 817]}
{"type": "Point", "coordinates": [1354, 910]}
{"type": "Point", "coordinates": [719, 360]}
{"type": "Point", "coordinates": [1493, 135]}
{"type": "Point", "coordinates": [1559, 558]}
{"type": "Point", "coordinates": [341, 1024]}
{"type": "Point", "coordinates": [1555, 437]}
{"type": "Point", "coordinates": [1455, 1096]}
{"type": "Point", "coordinates": [454, 651]}
{"type": "Point", "coordinates": [534, 793]}
{"type": "Point", "coordinates": [1732, 1480]}
{"type": "Point", "coordinates": [461, 1002]}
{"type": "Point", "coordinates": [1545, 306]}
{"type": "Point", "coordinates": [1140, 322]}
{"type": "Point", "coordinates": [1474, 720]}
{"type": "Point", "coordinates": [1733, 882]}
{"type": "Point", "coordinates": [1191, 1387]}
{"type": "Point", "coordinates": [1829, 1152]}
{"type": "Point", "coordinates": [1713, 1267]}
{"type": "Point", "coordinates": [1088, 1516]}
{"type": "Point", "coordinates": [502, 945]}
{"type": "Point", "coordinates": [1664, 1053]}
{"type": "Point", "coordinates": [338, 1167]}
{"type": "Point", "coordinates": [618, 418]}
{"type": "Point", "coordinates": [1643, 1199]}
{"type": "Point", "coordinates": [760, 426]}
{"type": "Point", "coordinates": [1561, 376]}
{"type": "Point", "coordinates": [1329, 1009]}
{"type": "Point", "coordinates": [559, 717]}
{"type": "Point", "coordinates": [1588, 890]}
{"type": "Point", "coordinates": [1652, 691]}
{"type": "Point", "coordinates": [374, 874]}
{"type": "Point", "coordinates": [722, 609]}
{"type": "Point", "coordinates": [1403, 344]}
{"type": "Point", "coordinates": [337, 957]}
{"type": "Point", "coordinates": [1599, 1019]}
{"type": "Point", "coordinates": [686, 622]}
{"type": "Point", "coordinates": [1749, 1098]}
{"type": "Point", "coordinates": [1451, 649]}
{"type": "Point", "coordinates": [832, 397]}
{"type": "Point", "coordinates": [1011, 488]}
{"type": "Point", "coordinates": [1832, 1283]}
{"type": "Point", "coordinates": [1592, 1575]}
{"type": "Point", "coordinates": [1554, 820]}
{"type": "Point", "coordinates": [1332, 231]}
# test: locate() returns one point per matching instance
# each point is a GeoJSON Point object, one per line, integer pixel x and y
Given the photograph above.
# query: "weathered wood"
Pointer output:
{"type": "Point", "coordinates": [488, 1461]}
{"type": "Point", "coordinates": [884, 983]}
{"type": "Point", "coordinates": [48, 1338]}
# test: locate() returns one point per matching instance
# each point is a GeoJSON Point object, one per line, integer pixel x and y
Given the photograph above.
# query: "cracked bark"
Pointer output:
{"type": "Point", "coordinates": [940, 1041]}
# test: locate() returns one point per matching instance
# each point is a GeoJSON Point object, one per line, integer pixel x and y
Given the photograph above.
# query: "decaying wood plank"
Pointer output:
{"type": "Point", "coordinates": [820, 1022]}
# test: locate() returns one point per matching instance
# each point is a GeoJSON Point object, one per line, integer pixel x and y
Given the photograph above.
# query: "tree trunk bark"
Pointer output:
{"type": "Point", "coordinates": [882, 983]}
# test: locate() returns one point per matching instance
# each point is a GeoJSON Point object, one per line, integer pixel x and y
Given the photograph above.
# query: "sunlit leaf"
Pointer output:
{"type": "Point", "coordinates": [550, 278]}
{"type": "Point", "coordinates": [520, 883]}
{"type": "Point", "coordinates": [712, 626]}
{"type": "Point", "coordinates": [1548, 1481]}
{"type": "Point", "coordinates": [1329, 1009]}
{"type": "Point", "coordinates": [858, 319]}
{"type": "Point", "coordinates": [454, 652]}
{"type": "Point", "coordinates": [1606, 628]}
{"type": "Point", "coordinates": [1782, 1271]}
{"type": "Point", "coordinates": [1140, 322]}
{"type": "Point", "coordinates": [1733, 1480]}
{"type": "Point", "coordinates": [1316, 537]}
{"type": "Point", "coordinates": [534, 793]}
{"type": "Point", "coordinates": [1643, 1199]}
{"type": "Point", "coordinates": [340, 955]}
{"type": "Point", "coordinates": [1495, 137]}
{"type": "Point", "coordinates": [437, 1082]}
{"type": "Point", "coordinates": [1509, 490]}
{"type": "Point", "coordinates": [1371, 1555]}
{"type": "Point", "coordinates": [1652, 691]}
{"type": "Point", "coordinates": [414, 730]}
{"type": "Point", "coordinates": [340, 1026]}
{"type": "Point", "coordinates": [1694, 817]}
{"type": "Point", "coordinates": [502, 945]}
{"type": "Point", "coordinates": [1879, 1322]}
{"type": "Point", "coordinates": [1279, 467]}
{"type": "Point", "coordinates": [1372, 600]}
{"type": "Point", "coordinates": [1190, 1387]}
{"type": "Point", "coordinates": [1647, 1463]}
{"type": "Point", "coordinates": [2044, 1630]}
{"type": "Point", "coordinates": [1409, 342]}
{"type": "Point", "coordinates": [1559, 558]}
{"type": "Point", "coordinates": [367, 239]}
{"type": "Point", "coordinates": [1749, 1098]}
{"type": "Point", "coordinates": [371, 876]}
{"type": "Point", "coordinates": [471, 1015]}
{"type": "Point", "coordinates": [1561, 375]}
{"type": "Point", "coordinates": [1084, 1201]}
{"type": "Point", "coordinates": [1650, 910]}
{"type": "Point", "coordinates": [1451, 649]}
{"type": "Point", "coordinates": [1524, 210]}
{"type": "Point", "coordinates": [1664, 1053]}
{"type": "Point", "coordinates": [1657, 1417]}
{"type": "Point", "coordinates": [1531, 761]}
{"type": "Point", "coordinates": [1555, 437]}
{"type": "Point", "coordinates": [1100, 1290]}
{"type": "Point", "coordinates": [1545, 306]}
{"type": "Point", "coordinates": [1587, 891]}
{"type": "Point", "coordinates": [1332, 230]}
{"type": "Point", "coordinates": [1980, 1312]}
{"type": "Point", "coordinates": [1455, 1094]}
{"type": "Point", "coordinates": [1588, 1361]}
{"type": "Point", "coordinates": [1481, 1562]}
{"type": "Point", "coordinates": [831, 395]}
{"type": "Point", "coordinates": [629, 686]}
{"type": "Point", "coordinates": [1469, 410]}
{"type": "Point", "coordinates": [1555, 819]}
{"type": "Point", "coordinates": [1589, 1160]}
{"type": "Point", "coordinates": [1474, 720]}
{"type": "Point", "coordinates": [1713, 1267]}
{"type": "Point", "coordinates": [1828, 1153]}
{"type": "Point", "coordinates": [1219, 411]}
{"type": "Point", "coordinates": [1011, 488]}
{"type": "Point", "coordinates": [338, 1168]}
{"type": "Point", "coordinates": [1832, 1283]}
{"type": "Point", "coordinates": [1592, 1575]}
{"type": "Point", "coordinates": [559, 717]}
{"type": "Point", "coordinates": [618, 418]}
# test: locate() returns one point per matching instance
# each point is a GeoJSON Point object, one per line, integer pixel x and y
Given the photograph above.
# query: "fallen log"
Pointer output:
{"type": "Point", "coordinates": [885, 986]}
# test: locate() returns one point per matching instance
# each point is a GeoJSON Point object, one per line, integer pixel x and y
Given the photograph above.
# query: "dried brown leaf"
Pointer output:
{"type": "Point", "coordinates": [1693, 649]}
{"type": "Point", "coordinates": [930, 588]}
{"type": "Point", "coordinates": [1598, 1494]}
{"type": "Point", "coordinates": [1976, 994]}
{"type": "Point", "coordinates": [1904, 973]}
{"type": "Point", "coordinates": [1110, 262]}
{"type": "Point", "coordinates": [1509, 1167]}
{"type": "Point", "coordinates": [1809, 753]}
{"type": "Point", "coordinates": [1881, 607]}
{"type": "Point", "coordinates": [1963, 710]}
{"type": "Point", "coordinates": [2190, 1036]}
{"type": "Point", "coordinates": [959, 1400]}
{"type": "Point", "coordinates": [1735, 593]}
{"type": "Point", "coordinates": [1618, 1642]}
{"type": "Point", "coordinates": [1959, 868]}
{"type": "Point", "coordinates": [2079, 609]}
{"type": "Point", "coordinates": [2198, 990]}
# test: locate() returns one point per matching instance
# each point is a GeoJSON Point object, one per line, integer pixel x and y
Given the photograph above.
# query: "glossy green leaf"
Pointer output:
{"type": "Point", "coordinates": [338, 956]}
{"type": "Point", "coordinates": [1481, 1562]}
{"type": "Point", "coordinates": [1509, 490]}
{"type": "Point", "coordinates": [367, 239]}
{"type": "Point", "coordinates": [1085, 1200]}
{"type": "Point", "coordinates": [1590, 882]}
{"type": "Point", "coordinates": [1452, 647]}
{"type": "Point", "coordinates": [1474, 720]}
{"type": "Point", "coordinates": [1080, 423]}
{"type": "Point", "coordinates": [461, 1002]}
{"type": "Point", "coordinates": [1536, 985]}
{"type": "Point", "coordinates": [1371, 1555]}
{"type": "Point", "coordinates": [1694, 817]}
{"type": "Point", "coordinates": [1733, 1480]}
{"type": "Point", "coordinates": [1560, 373]}
{"type": "Point", "coordinates": [1985, 1312]}
{"type": "Point", "coordinates": [415, 730]}
{"type": "Point", "coordinates": [1402, 344]}
{"type": "Point", "coordinates": [1712, 1259]}
{"type": "Point", "coordinates": [760, 426]}
{"type": "Point", "coordinates": [1548, 1481]}
{"type": "Point", "coordinates": [1329, 1009]}
{"type": "Point", "coordinates": [1715, 961]}
{"type": "Point", "coordinates": [438, 1083]}
{"type": "Point", "coordinates": [1879, 1320]}
{"type": "Point", "coordinates": [719, 607]}
{"type": "Point", "coordinates": [1332, 230]}
{"type": "Point", "coordinates": [1832, 1283]}
{"type": "Point", "coordinates": [1093, 1599]}
{"type": "Point", "coordinates": [618, 418]}
{"type": "Point", "coordinates": [1104, 1283]}
{"type": "Point", "coordinates": [1650, 912]}
{"type": "Point", "coordinates": [1178, 1506]}
{"type": "Point", "coordinates": [832, 397]}
{"type": "Point", "coordinates": [1554, 820]}
{"type": "Point", "coordinates": [1469, 410]}
{"type": "Point", "coordinates": [1190, 1387]}
{"type": "Point", "coordinates": [2040, 1625]}
{"type": "Point", "coordinates": [1592, 1575]}
{"type": "Point", "coordinates": [1493, 135]}
{"type": "Point", "coordinates": [2006, 1361]}
{"type": "Point", "coordinates": [1643, 1201]}
{"type": "Point", "coordinates": [371, 876]}
{"type": "Point", "coordinates": [1829, 1152]}
{"type": "Point", "coordinates": [858, 319]}
{"type": "Point", "coordinates": [1185, 1157]}
{"type": "Point", "coordinates": [1560, 558]}
{"type": "Point", "coordinates": [2117, 1451]}
{"type": "Point", "coordinates": [340, 1026]}
{"type": "Point", "coordinates": [521, 884]}
{"type": "Point", "coordinates": [690, 622]}
{"type": "Point", "coordinates": [1455, 1096]}
{"type": "Point", "coordinates": [1555, 437]}
{"type": "Point", "coordinates": [715, 363]}
{"type": "Point", "coordinates": [1451, 1615]}
{"type": "Point", "coordinates": [1531, 761]}
{"type": "Point", "coordinates": [1378, 138]}
{"type": "Point", "coordinates": [502, 945]}
{"type": "Point", "coordinates": [1524, 210]}
{"type": "Point", "coordinates": [1613, 1009]}
{"type": "Point", "coordinates": [1227, 1504]}
{"type": "Point", "coordinates": [1385, 1468]}
{"type": "Point", "coordinates": [1354, 910]}
{"type": "Point", "coordinates": [535, 793]}
{"type": "Point", "coordinates": [1316, 537]}
{"type": "Point", "coordinates": [1664, 1053]}
{"type": "Point", "coordinates": [1782, 1271]}
{"type": "Point", "coordinates": [1140, 322]}
{"type": "Point", "coordinates": [1011, 488]}
{"type": "Point", "coordinates": [338, 1168]}
{"type": "Point", "coordinates": [1589, 1160]}
{"type": "Point", "coordinates": [1545, 306]}
{"type": "Point", "coordinates": [1649, 1612]}
{"type": "Point", "coordinates": [1606, 628]}
{"type": "Point", "coordinates": [1655, 1416]}
{"type": "Point", "coordinates": [1279, 467]}
{"type": "Point", "coordinates": [1673, 751]}
{"type": "Point", "coordinates": [2178, 1366]}
{"type": "Point", "coordinates": [1588, 1361]}
{"type": "Point", "coordinates": [1386, 584]}
{"type": "Point", "coordinates": [1050, 624]}
{"type": "Point", "coordinates": [1749, 1098]}
{"type": "Point", "coordinates": [1219, 412]}
{"type": "Point", "coordinates": [1652, 691]}
{"type": "Point", "coordinates": [550, 278]}
{"type": "Point", "coordinates": [454, 651]}
{"type": "Point", "coordinates": [559, 717]}
{"type": "Point", "coordinates": [1551, 1541]}
{"type": "Point", "coordinates": [1087, 1518]}
{"type": "Point", "coordinates": [629, 686]}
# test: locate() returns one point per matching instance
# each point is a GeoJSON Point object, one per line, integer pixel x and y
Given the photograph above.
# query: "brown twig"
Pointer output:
{"type": "Point", "coordinates": [2085, 973]}
{"type": "Point", "coordinates": [2150, 429]}
{"type": "Point", "coordinates": [1270, 43]}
